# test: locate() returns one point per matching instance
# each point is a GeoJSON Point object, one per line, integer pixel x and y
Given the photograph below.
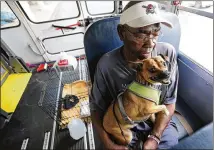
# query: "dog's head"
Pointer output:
{"type": "Point", "coordinates": [153, 70]}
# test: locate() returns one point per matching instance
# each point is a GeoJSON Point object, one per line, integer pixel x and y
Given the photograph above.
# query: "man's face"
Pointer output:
{"type": "Point", "coordinates": [141, 41]}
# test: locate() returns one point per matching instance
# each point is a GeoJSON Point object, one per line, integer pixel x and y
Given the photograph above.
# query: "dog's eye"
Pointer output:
{"type": "Point", "coordinates": [164, 63]}
{"type": "Point", "coordinates": [152, 70]}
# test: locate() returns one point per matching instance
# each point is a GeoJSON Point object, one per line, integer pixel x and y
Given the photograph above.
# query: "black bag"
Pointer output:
{"type": "Point", "coordinates": [70, 101]}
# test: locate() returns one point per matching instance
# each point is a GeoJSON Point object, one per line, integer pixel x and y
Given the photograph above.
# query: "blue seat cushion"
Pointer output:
{"type": "Point", "coordinates": [201, 139]}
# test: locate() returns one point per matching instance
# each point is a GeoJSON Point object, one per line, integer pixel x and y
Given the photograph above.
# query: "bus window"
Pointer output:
{"type": "Point", "coordinates": [99, 7]}
{"type": "Point", "coordinates": [8, 18]}
{"type": "Point", "coordinates": [197, 33]}
{"type": "Point", "coordinates": [46, 11]}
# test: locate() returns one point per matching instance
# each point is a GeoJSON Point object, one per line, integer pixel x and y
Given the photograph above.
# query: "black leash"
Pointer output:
{"type": "Point", "coordinates": [118, 121]}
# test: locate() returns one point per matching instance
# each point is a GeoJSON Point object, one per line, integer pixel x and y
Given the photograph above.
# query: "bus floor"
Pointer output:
{"type": "Point", "coordinates": [30, 121]}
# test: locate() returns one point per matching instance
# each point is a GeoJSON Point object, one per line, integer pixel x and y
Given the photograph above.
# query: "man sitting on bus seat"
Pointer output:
{"type": "Point", "coordinates": [139, 29]}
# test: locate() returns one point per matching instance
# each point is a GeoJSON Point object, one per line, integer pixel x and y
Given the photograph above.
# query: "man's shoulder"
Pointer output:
{"type": "Point", "coordinates": [166, 49]}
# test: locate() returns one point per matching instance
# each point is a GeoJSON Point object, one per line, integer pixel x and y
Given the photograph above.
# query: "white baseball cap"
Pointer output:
{"type": "Point", "coordinates": [143, 14]}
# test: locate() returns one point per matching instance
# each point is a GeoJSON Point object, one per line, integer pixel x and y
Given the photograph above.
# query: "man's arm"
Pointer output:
{"type": "Point", "coordinates": [162, 121]}
{"type": "Point", "coordinates": [98, 104]}
{"type": "Point", "coordinates": [171, 95]}
{"type": "Point", "coordinates": [160, 124]}
{"type": "Point", "coordinates": [97, 122]}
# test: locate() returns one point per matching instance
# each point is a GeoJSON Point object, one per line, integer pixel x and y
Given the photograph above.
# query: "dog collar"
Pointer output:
{"type": "Point", "coordinates": [146, 92]}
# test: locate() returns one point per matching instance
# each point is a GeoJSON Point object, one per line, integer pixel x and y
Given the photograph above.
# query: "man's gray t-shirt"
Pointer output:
{"type": "Point", "coordinates": [113, 75]}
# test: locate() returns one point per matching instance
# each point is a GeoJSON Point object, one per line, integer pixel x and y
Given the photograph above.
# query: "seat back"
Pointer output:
{"type": "Point", "coordinates": [102, 37]}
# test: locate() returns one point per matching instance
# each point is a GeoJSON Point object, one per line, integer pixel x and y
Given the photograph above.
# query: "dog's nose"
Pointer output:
{"type": "Point", "coordinates": [164, 74]}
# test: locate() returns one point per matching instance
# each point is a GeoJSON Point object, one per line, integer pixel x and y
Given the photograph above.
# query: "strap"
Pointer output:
{"type": "Point", "coordinates": [118, 121]}
{"type": "Point", "coordinates": [146, 92]}
{"type": "Point", "coordinates": [122, 110]}
{"type": "Point", "coordinates": [184, 123]}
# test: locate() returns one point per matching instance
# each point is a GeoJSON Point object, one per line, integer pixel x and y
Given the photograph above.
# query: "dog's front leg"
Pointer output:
{"type": "Point", "coordinates": [123, 140]}
{"type": "Point", "coordinates": [158, 108]}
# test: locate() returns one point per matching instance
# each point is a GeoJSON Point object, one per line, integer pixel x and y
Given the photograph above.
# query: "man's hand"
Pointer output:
{"type": "Point", "coordinates": [150, 144]}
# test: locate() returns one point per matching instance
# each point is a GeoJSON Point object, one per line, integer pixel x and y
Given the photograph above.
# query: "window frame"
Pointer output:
{"type": "Point", "coordinates": [193, 64]}
{"type": "Point", "coordinates": [53, 37]}
{"type": "Point", "coordinates": [100, 13]}
{"type": "Point", "coordinates": [20, 6]}
{"type": "Point", "coordinates": [200, 13]}
{"type": "Point", "coordinates": [195, 11]}
{"type": "Point", "coordinates": [16, 17]}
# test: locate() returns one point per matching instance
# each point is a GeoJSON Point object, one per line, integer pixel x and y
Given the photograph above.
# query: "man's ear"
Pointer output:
{"type": "Point", "coordinates": [121, 32]}
{"type": "Point", "coordinates": [166, 58]}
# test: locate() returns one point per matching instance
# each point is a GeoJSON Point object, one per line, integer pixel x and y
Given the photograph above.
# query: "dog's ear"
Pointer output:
{"type": "Point", "coordinates": [136, 65]}
{"type": "Point", "coordinates": [166, 58]}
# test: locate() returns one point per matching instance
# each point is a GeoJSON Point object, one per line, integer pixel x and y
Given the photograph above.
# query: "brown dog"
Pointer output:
{"type": "Point", "coordinates": [149, 72]}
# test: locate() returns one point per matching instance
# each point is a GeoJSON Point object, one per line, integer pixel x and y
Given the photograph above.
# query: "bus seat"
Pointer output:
{"type": "Point", "coordinates": [101, 37]}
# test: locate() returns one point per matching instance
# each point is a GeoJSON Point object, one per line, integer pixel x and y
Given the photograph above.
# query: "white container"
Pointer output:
{"type": "Point", "coordinates": [76, 128]}
{"type": "Point", "coordinates": [71, 66]}
{"type": "Point", "coordinates": [72, 63]}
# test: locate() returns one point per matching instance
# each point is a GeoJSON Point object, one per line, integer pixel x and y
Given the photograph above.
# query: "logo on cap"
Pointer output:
{"type": "Point", "coordinates": [150, 9]}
